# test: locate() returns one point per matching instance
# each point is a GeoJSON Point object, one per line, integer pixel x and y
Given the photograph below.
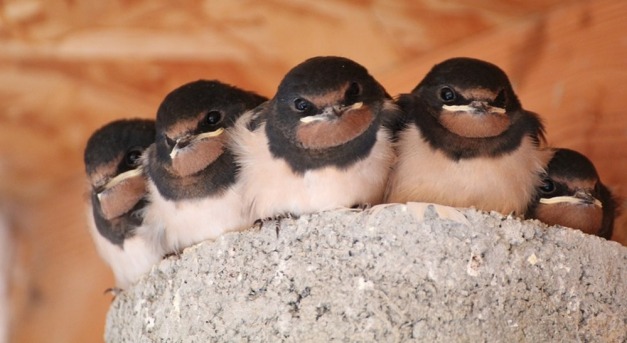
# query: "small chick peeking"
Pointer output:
{"type": "Point", "coordinates": [573, 195]}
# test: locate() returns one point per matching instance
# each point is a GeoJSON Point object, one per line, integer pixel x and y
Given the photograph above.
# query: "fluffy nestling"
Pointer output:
{"type": "Point", "coordinates": [468, 141]}
{"type": "Point", "coordinates": [573, 195]}
{"type": "Point", "coordinates": [117, 198]}
{"type": "Point", "coordinates": [192, 172]}
{"type": "Point", "coordinates": [320, 143]}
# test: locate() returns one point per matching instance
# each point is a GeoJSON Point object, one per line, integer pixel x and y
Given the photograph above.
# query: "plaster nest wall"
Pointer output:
{"type": "Point", "coordinates": [383, 275]}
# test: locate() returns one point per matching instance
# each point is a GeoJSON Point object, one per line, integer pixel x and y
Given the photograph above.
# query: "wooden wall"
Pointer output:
{"type": "Point", "coordinates": [68, 67]}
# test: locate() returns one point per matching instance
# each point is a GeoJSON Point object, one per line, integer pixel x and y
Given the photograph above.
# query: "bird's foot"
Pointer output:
{"type": "Point", "coordinates": [361, 207]}
{"type": "Point", "coordinates": [276, 219]}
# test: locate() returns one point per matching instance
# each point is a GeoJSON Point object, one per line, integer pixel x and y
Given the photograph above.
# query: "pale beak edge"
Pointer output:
{"type": "Point", "coordinates": [568, 199]}
{"type": "Point", "coordinates": [324, 116]}
{"type": "Point", "coordinates": [468, 108]}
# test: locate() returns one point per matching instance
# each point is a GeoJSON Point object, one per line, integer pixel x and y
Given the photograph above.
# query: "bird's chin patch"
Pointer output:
{"type": "Point", "coordinates": [475, 125]}
{"type": "Point", "coordinates": [197, 156]}
{"type": "Point", "coordinates": [584, 217]}
{"type": "Point", "coordinates": [335, 132]}
{"type": "Point", "coordinates": [121, 197]}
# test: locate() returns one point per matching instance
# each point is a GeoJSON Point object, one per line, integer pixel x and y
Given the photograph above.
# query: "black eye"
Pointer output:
{"type": "Point", "coordinates": [133, 157]}
{"type": "Point", "coordinates": [548, 186]}
{"type": "Point", "coordinates": [302, 105]}
{"type": "Point", "coordinates": [447, 94]}
{"type": "Point", "coordinates": [352, 93]}
{"type": "Point", "coordinates": [213, 118]}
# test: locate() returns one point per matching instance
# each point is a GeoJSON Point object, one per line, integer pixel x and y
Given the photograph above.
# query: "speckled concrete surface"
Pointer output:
{"type": "Point", "coordinates": [388, 274]}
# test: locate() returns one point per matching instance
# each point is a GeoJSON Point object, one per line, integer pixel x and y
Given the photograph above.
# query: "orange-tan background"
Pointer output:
{"type": "Point", "coordinates": [68, 67]}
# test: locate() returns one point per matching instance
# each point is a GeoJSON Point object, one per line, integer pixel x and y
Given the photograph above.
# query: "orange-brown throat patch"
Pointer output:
{"type": "Point", "coordinates": [198, 155]}
{"type": "Point", "coordinates": [475, 125]}
{"type": "Point", "coordinates": [335, 132]}
{"type": "Point", "coordinates": [587, 218]}
{"type": "Point", "coordinates": [121, 197]}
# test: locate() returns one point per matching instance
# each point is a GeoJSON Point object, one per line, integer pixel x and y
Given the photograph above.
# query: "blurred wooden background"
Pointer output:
{"type": "Point", "coordinates": [68, 67]}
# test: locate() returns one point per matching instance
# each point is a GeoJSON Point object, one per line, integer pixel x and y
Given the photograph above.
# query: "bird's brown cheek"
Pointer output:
{"type": "Point", "coordinates": [328, 134]}
{"type": "Point", "coordinates": [121, 198]}
{"type": "Point", "coordinates": [197, 156]}
{"type": "Point", "coordinates": [475, 126]}
{"type": "Point", "coordinates": [585, 218]}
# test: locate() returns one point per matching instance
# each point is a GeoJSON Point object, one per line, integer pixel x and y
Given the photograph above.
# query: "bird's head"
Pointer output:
{"type": "Point", "coordinates": [571, 194]}
{"type": "Point", "coordinates": [113, 163]}
{"type": "Point", "coordinates": [326, 102]}
{"type": "Point", "coordinates": [193, 123]}
{"type": "Point", "coordinates": [469, 97]}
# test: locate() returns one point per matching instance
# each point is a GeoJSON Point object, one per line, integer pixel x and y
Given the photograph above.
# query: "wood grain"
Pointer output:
{"type": "Point", "coordinates": [68, 67]}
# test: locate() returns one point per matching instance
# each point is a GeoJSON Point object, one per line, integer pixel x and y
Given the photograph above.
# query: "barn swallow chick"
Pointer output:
{"type": "Point", "coordinates": [319, 144]}
{"type": "Point", "coordinates": [192, 172]}
{"type": "Point", "coordinates": [117, 192]}
{"type": "Point", "coordinates": [468, 141]}
{"type": "Point", "coordinates": [572, 195]}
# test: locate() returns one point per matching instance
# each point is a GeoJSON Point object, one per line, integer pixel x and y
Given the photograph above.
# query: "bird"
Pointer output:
{"type": "Point", "coordinates": [192, 174]}
{"type": "Point", "coordinates": [573, 195]}
{"type": "Point", "coordinates": [117, 194]}
{"type": "Point", "coordinates": [319, 144]}
{"type": "Point", "coordinates": [466, 141]}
